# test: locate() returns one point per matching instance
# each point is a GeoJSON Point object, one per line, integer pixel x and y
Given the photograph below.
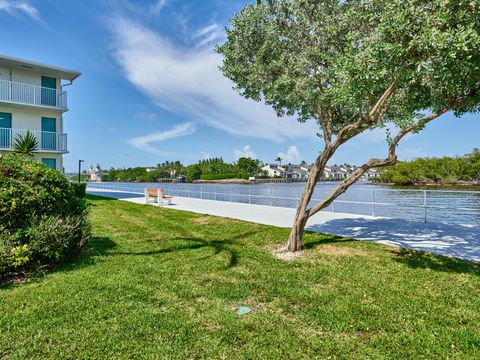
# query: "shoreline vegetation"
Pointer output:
{"type": "Point", "coordinates": [435, 186]}
{"type": "Point", "coordinates": [459, 171]}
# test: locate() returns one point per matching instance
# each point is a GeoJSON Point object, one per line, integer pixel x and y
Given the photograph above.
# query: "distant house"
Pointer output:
{"type": "Point", "coordinates": [328, 173]}
{"type": "Point", "coordinates": [33, 98]}
{"type": "Point", "coordinates": [371, 174]}
{"type": "Point", "coordinates": [298, 172]}
{"type": "Point", "coordinates": [273, 170]}
{"type": "Point", "coordinates": [340, 172]}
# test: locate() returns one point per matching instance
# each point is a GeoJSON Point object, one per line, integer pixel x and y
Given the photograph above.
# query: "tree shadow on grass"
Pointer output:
{"type": "Point", "coordinates": [195, 243]}
{"type": "Point", "coordinates": [97, 247]}
{"type": "Point", "coordinates": [323, 239]}
{"type": "Point", "coordinates": [435, 246]}
{"type": "Point", "coordinates": [424, 260]}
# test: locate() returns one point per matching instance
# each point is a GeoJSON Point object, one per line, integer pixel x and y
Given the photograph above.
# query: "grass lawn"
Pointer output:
{"type": "Point", "coordinates": [158, 283]}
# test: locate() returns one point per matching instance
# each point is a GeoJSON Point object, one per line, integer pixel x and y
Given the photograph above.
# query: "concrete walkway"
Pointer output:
{"type": "Point", "coordinates": [450, 240]}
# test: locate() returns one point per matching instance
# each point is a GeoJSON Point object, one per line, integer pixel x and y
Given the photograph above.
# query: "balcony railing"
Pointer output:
{"type": "Point", "coordinates": [47, 141]}
{"type": "Point", "coordinates": [29, 94]}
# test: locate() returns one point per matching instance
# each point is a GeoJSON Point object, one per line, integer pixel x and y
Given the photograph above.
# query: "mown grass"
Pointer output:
{"type": "Point", "coordinates": [165, 284]}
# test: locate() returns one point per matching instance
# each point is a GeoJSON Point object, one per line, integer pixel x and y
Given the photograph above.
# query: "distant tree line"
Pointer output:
{"type": "Point", "coordinates": [445, 170]}
{"type": "Point", "coordinates": [208, 169]}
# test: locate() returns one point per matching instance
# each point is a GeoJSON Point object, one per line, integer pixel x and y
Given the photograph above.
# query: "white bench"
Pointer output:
{"type": "Point", "coordinates": [157, 194]}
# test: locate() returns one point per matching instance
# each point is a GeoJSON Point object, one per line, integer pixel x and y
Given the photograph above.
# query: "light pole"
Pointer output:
{"type": "Point", "coordinates": [79, 168]}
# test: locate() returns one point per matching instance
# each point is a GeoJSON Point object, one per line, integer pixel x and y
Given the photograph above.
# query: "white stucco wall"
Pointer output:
{"type": "Point", "coordinates": [30, 118]}
{"type": "Point", "coordinates": [4, 73]}
{"type": "Point", "coordinates": [23, 76]}
{"type": "Point", "coordinates": [58, 157]}
{"type": "Point", "coordinates": [45, 155]}
{"type": "Point", "coordinates": [27, 77]}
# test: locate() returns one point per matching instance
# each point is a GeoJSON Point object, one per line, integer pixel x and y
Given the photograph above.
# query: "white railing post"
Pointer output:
{"type": "Point", "coordinates": [425, 206]}
{"type": "Point", "coordinates": [373, 202]}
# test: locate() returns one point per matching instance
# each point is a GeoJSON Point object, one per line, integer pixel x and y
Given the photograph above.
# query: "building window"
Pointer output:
{"type": "Point", "coordinates": [51, 163]}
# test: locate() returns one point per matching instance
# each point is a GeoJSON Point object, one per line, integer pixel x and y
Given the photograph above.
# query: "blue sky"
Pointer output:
{"type": "Point", "coordinates": [151, 90]}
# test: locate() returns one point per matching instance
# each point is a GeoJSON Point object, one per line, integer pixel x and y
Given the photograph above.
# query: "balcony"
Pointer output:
{"type": "Point", "coordinates": [28, 94]}
{"type": "Point", "coordinates": [47, 141]}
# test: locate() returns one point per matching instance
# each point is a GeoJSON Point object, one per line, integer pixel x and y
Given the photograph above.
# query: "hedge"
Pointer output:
{"type": "Point", "coordinates": [224, 176]}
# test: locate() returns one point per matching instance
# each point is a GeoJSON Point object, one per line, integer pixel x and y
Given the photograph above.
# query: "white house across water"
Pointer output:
{"type": "Point", "coordinates": [32, 97]}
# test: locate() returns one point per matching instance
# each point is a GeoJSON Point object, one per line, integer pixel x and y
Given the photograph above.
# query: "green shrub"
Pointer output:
{"type": "Point", "coordinates": [30, 189]}
{"type": "Point", "coordinates": [54, 238]}
{"type": "Point", "coordinates": [80, 189]}
{"type": "Point", "coordinates": [43, 217]}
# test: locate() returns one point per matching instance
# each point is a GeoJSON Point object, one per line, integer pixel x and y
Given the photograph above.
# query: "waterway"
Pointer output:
{"type": "Point", "coordinates": [432, 205]}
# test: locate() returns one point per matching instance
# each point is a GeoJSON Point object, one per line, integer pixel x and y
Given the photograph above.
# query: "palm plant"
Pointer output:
{"type": "Point", "coordinates": [25, 144]}
{"type": "Point", "coordinates": [279, 160]}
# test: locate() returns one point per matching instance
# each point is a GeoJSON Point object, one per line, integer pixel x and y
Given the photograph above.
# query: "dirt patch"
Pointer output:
{"type": "Point", "coordinates": [281, 253]}
{"type": "Point", "coordinates": [212, 326]}
{"type": "Point", "coordinates": [202, 220]}
{"type": "Point", "coordinates": [207, 220]}
{"type": "Point", "coordinates": [339, 251]}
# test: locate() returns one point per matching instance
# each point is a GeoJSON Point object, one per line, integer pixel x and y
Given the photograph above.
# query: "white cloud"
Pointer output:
{"type": "Point", "coordinates": [13, 7]}
{"type": "Point", "coordinates": [158, 6]}
{"type": "Point", "coordinates": [206, 155]}
{"type": "Point", "coordinates": [208, 35]}
{"type": "Point", "coordinates": [292, 156]}
{"type": "Point", "coordinates": [407, 154]}
{"type": "Point", "coordinates": [150, 116]}
{"type": "Point", "coordinates": [246, 151]}
{"type": "Point", "coordinates": [143, 142]}
{"type": "Point", "coordinates": [189, 82]}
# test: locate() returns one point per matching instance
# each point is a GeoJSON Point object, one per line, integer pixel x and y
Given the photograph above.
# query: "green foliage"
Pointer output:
{"type": "Point", "coordinates": [25, 144]}
{"type": "Point", "coordinates": [201, 170]}
{"type": "Point", "coordinates": [54, 238]}
{"type": "Point", "coordinates": [43, 217]}
{"type": "Point", "coordinates": [193, 172]}
{"type": "Point", "coordinates": [80, 189]}
{"type": "Point", "coordinates": [319, 59]}
{"type": "Point", "coordinates": [29, 189]}
{"type": "Point", "coordinates": [248, 166]}
{"type": "Point", "coordinates": [446, 170]}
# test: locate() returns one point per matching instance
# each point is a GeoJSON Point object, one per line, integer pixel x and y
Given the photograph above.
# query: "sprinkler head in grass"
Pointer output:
{"type": "Point", "coordinates": [243, 310]}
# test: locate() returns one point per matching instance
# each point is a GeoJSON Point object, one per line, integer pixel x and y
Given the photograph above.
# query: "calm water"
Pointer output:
{"type": "Point", "coordinates": [457, 207]}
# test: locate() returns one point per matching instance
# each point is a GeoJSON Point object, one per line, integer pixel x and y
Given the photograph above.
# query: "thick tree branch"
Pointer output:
{"type": "Point", "coordinates": [350, 130]}
{"type": "Point", "coordinates": [373, 163]}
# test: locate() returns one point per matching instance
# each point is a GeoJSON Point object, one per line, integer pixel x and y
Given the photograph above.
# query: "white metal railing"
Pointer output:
{"type": "Point", "coordinates": [448, 206]}
{"type": "Point", "coordinates": [22, 93]}
{"type": "Point", "coordinates": [46, 140]}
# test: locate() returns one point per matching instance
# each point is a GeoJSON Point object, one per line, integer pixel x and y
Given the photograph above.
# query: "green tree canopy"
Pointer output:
{"type": "Point", "coordinates": [353, 65]}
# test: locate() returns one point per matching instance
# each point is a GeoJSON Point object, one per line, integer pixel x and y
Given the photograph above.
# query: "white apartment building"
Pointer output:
{"type": "Point", "coordinates": [32, 97]}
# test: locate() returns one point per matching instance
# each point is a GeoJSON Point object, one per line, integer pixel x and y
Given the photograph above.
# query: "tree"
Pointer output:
{"type": "Point", "coordinates": [247, 166]}
{"type": "Point", "coordinates": [356, 65]}
{"type": "Point", "coordinates": [279, 160]}
{"type": "Point", "coordinates": [25, 144]}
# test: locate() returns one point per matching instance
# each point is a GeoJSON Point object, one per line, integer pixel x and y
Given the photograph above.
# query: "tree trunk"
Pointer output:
{"type": "Point", "coordinates": [295, 239]}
